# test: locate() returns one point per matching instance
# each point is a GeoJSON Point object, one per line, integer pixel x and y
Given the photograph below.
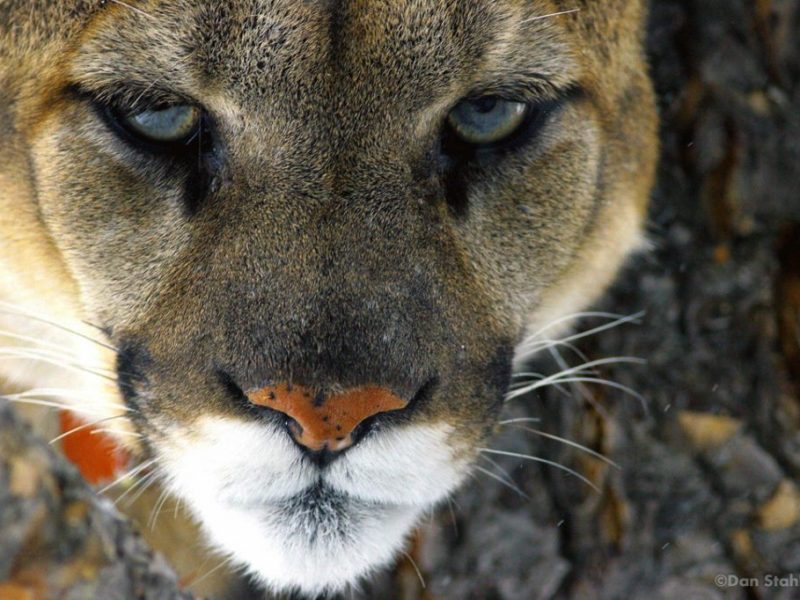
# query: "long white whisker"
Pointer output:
{"type": "Point", "coordinates": [543, 461]}
{"type": "Point", "coordinates": [18, 311]}
{"type": "Point", "coordinates": [585, 393]}
{"type": "Point", "coordinates": [504, 477]}
{"type": "Point", "coordinates": [576, 445]}
{"type": "Point", "coordinates": [58, 438]}
{"type": "Point", "coordinates": [37, 353]}
{"type": "Point", "coordinates": [52, 392]}
{"type": "Point", "coordinates": [33, 340]}
{"type": "Point", "coordinates": [453, 518]}
{"type": "Point", "coordinates": [51, 404]}
{"type": "Point", "coordinates": [40, 393]}
{"type": "Point", "coordinates": [502, 481]}
{"type": "Point", "coordinates": [128, 474]}
{"type": "Point", "coordinates": [416, 568]}
{"type": "Point", "coordinates": [143, 484]}
{"type": "Point", "coordinates": [159, 505]}
{"type": "Point", "coordinates": [580, 315]}
{"type": "Point", "coordinates": [208, 574]}
{"type": "Point", "coordinates": [134, 9]}
{"type": "Point", "coordinates": [611, 384]}
{"type": "Point", "coordinates": [551, 15]}
{"type": "Point", "coordinates": [535, 345]}
{"type": "Point", "coordinates": [562, 376]}
{"type": "Point", "coordinates": [55, 362]}
{"type": "Point", "coordinates": [101, 430]}
{"type": "Point", "coordinates": [520, 420]}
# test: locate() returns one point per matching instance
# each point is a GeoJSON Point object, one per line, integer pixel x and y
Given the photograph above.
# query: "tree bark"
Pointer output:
{"type": "Point", "coordinates": [58, 539]}
{"type": "Point", "coordinates": [703, 498]}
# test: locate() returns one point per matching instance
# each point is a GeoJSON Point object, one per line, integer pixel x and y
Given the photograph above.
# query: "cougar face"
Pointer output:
{"type": "Point", "coordinates": [314, 233]}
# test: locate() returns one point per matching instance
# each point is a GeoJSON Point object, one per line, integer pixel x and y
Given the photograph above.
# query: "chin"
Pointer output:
{"type": "Point", "coordinates": [316, 543]}
{"type": "Point", "coordinates": [294, 526]}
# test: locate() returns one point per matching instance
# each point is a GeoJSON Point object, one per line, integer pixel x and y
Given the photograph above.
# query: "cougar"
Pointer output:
{"type": "Point", "coordinates": [288, 251]}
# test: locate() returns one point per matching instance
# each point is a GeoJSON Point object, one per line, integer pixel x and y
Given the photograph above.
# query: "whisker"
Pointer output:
{"type": "Point", "coordinates": [79, 396]}
{"type": "Point", "coordinates": [505, 478]}
{"type": "Point", "coordinates": [177, 507]}
{"type": "Point", "coordinates": [53, 392]}
{"type": "Point", "coordinates": [58, 438]}
{"type": "Point", "coordinates": [551, 15]}
{"type": "Point", "coordinates": [18, 311]}
{"type": "Point", "coordinates": [208, 574]}
{"type": "Point", "coordinates": [453, 518]}
{"type": "Point", "coordinates": [134, 9]}
{"type": "Point", "coordinates": [102, 430]}
{"type": "Point", "coordinates": [502, 481]}
{"type": "Point", "coordinates": [55, 362]}
{"type": "Point", "coordinates": [543, 461]}
{"type": "Point", "coordinates": [159, 505]}
{"type": "Point", "coordinates": [581, 315]}
{"type": "Point", "coordinates": [576, 445]}
{"type": "Point", "coordinates": [520, 420]}
{"type": "Point", "coordinates": [499, 467]}
{"type": "Point", "coordinates": [561, 376]}
{"type": "Point", "coordinates": [634, 318]}
{"type": "Point", "coordinates": [416, 568]}
{"type": "Point", "coordinates": [50, 404]}
{"type": "Point", "coordinates": [143, 484]}
{"type": "Point", "coordinates": [32, 340]}
{"type": "Point", "coordinates": [612, 384]}
{"type": "Point", "coordinates": [128, 474]}
{"type": "Point", "coordinates": [43, 352]}
{"type": "Point", "coordinates": [585, 393]}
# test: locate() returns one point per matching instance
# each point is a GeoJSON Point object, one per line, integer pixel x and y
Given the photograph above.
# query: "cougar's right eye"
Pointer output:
{"type": "Point", "coordinates": [487, 120]}
{"type": "Point", "coordinates": [170, 125]}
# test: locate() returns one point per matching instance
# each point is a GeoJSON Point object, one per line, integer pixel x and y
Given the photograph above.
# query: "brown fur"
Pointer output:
{"type": "Point", "coordinates": [323, 250]}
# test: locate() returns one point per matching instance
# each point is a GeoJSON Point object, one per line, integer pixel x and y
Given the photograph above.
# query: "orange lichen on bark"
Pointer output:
{"type": "Point", "coordinates": [95, 454]}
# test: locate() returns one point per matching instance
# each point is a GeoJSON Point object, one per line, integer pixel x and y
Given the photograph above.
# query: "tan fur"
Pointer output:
{"type": "Point", "coordinates": [324, 249]}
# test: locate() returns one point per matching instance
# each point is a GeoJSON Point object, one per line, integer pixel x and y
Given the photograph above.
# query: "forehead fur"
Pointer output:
{"type": "Point", "coordinates": [409, 52]}
{"type": "Point", "coordinates": [343, 57]}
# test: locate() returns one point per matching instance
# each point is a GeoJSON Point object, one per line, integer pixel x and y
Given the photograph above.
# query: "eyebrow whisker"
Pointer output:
{"type": "Point", "coordinates": [134, 9]}
{"type": "Point", "coordinates": [555, 14]}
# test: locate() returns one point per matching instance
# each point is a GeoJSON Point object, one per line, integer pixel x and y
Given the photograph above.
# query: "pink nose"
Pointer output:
{"type": "Point", "coordinates": [321, 421]}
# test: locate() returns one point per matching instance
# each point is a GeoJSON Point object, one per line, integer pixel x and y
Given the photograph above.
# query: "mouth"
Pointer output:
{"type": "Point", "coordinates": [297, 525]}
{"type": "Point", "coordinates": [320, 514]}
{"type": "Point", "coordinates": [317, 506]}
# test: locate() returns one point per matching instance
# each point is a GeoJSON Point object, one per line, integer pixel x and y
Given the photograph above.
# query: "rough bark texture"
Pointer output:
{"type": "Point", "coordinates": [58, 539]}
{"type": "Point", "coordinates": [709, 464]}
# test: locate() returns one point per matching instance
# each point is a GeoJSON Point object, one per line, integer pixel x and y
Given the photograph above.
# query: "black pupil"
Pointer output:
{"type": "Point", "coordinates": [485, 105]}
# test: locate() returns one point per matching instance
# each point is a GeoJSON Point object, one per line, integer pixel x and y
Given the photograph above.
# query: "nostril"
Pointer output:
{"type": "Point", "coordinates": [236, 393]}
{"type": "Point", "coordinates": [322, 421]}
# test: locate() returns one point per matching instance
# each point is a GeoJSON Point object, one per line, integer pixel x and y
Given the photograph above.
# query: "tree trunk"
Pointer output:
{"type": "Point", "coordinates": [703, 498]}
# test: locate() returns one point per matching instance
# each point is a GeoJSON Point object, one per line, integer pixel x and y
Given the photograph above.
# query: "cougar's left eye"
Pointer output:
{"type": "Point", "coordinates": [487, 120]}
{"type": "Point", "coordinates": [168, 125]}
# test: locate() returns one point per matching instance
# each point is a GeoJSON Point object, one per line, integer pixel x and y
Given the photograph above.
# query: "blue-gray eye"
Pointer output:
{"type": "Point", "coordinates": [487, 120]}
{"type": "Point", "coordinates": [173, 124]}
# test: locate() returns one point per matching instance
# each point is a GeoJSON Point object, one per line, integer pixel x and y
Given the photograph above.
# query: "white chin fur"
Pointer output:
{"type": "Point", "coordinates": [259, 500]}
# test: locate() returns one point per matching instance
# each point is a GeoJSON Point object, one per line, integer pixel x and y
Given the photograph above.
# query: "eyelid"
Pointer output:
{"type": "Point", "coordinates": [533, 91]}
{"type": "Point", "coordinates": [130, 98]}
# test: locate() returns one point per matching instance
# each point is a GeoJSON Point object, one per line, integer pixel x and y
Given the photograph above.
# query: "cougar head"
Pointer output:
{"type": "Point", "coordinates": [315, 234]}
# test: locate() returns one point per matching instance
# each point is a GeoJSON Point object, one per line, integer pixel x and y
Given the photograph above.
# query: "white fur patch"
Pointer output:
{"type": "Point", "coordinates": [295, 525]}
